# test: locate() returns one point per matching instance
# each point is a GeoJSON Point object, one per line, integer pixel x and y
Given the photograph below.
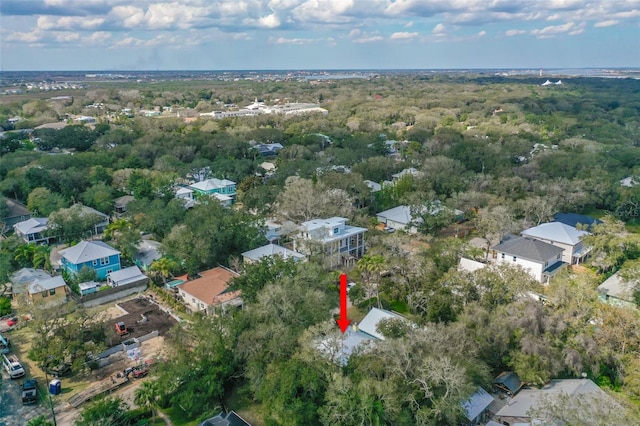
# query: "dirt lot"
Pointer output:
{"type": "Point", "coordinates": [156, 319]}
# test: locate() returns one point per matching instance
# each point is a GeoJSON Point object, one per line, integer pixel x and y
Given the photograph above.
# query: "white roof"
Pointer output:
{"type": "Point", "coordinates": [332, 222]}
{"type": "Point", "coordinates": [27, 275]}
{"type": "Point", "coordinates": [31, 226]}
{"type": "Point", "coordinates": [470, 265]}
{"type": "Point", "coordinates": [211, 184]}
{"type": "Point", "coordinates": [617, 287]}
{"type": "Point", "coordinates": [88, 285]}
{"type": "Point", "coordinates": [126, 275]}
{"type": "Point", "coordinates": [526, 399]}
{"type": "Point", "coordinates": [86, 251]}
{"type": "Point", "coordinates": [374, 186]}
{"type": "Point", "coordinates": [223, 197]}
{"type": "Point", "coordinates": [271, 250]}
{"type": "Point", "coordinates": [370, 322]}
{"type": "Point", "coordinates": [39, 286]}
{"type": "Point", "coordinates": [400, 214]}
{"type": "Point", "coordinates": [183, 190]}
{"type": "Point", "coordinates": [556, 231]}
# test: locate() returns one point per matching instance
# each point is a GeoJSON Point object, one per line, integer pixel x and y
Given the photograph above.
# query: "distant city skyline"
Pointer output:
{"type": "Point", "coordinates": [317, 34]}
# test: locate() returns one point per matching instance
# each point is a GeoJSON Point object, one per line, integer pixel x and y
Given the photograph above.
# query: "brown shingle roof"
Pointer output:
{"type": "Point", "coordinates": [211, 286]}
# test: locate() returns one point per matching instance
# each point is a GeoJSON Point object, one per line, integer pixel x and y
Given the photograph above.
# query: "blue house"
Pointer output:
{"type": "Point", "coordinates": [95, 254]}
{"type": "Point", "coordinates": [215, 186]}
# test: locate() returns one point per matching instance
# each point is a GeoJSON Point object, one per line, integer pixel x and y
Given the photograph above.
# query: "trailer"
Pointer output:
{"type": "Point", "coordinates": [91, 392]}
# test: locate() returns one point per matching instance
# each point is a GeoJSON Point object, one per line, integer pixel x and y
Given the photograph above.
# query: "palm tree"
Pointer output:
{"type": "Point", "coordinates": [147, 396]}
{"type": "Point", "coordinates": [371, 268]}
{"type": "Point", "coordinates": [24, 254]}
{"type": "Point", "coordinates": [163, 266]}
{"type": "Point", "coordinates": [42, 257]}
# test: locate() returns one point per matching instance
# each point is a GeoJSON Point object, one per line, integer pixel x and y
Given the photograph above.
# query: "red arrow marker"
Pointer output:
{"type": "Point", "coordinates": [343, 322]}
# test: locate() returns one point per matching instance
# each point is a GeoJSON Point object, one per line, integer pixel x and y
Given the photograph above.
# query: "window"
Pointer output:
{"type": "Point", "coordinates": [514, 258]}
{"type": "Point", "coordinates": [104, 261]}
{"type": "Point", "coordinates": [193, 300]}
{"type": "Point", "coordinates": [336, 230]}
{"type": "Point", "coordinates": [45, 294]}
{"type": "Point", "coordinates": [95, 262]}
{"type": "Point", "coordinates": [502, 255]}
{"type": "Point", "coordinates": [52, 291]}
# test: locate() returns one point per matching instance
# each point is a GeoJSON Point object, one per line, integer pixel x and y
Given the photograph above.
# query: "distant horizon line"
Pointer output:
{"type": "Point", "coordinates": [333, 69]}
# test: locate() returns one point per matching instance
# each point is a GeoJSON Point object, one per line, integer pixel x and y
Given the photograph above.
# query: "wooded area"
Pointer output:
{"type": "Point", "coordinates": [506, 152]}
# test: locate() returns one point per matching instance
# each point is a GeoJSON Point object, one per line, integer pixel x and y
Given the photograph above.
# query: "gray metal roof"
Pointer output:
{"type": "Point", "coordinates": [477, 403]}
{"type": "Point", "coordinates": [369, 323]}
{"type": "Point", "coordinates": [127, 275]}
{"type": "Point", "coordinates": [86, 251]}
{"type": "Point", "coordinates": [400, 214]}
{"type": "Point", "coordinates": [272, 250]}
{"type": "Point", "coordinates": [39, 286]}
{"type": "Point", "coordinates": [526, 399]}
{"type": "Point", "coordinates": [31, 226]}
{"type": "Point", "coordinates": [528, 248]}
{"type": "Point", "coordinates": [618, 287]}
{"type": "Point", "coordinates": [556, 231]}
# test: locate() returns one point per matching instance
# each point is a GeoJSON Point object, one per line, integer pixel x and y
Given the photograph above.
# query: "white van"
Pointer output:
{"type": "Point", "coordinates": [12, 366]}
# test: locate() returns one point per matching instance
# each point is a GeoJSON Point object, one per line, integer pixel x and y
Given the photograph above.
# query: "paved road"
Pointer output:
{"type": "Point", "coordinates": [12, 412]}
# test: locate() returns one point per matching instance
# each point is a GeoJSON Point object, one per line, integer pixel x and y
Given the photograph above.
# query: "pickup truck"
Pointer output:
{"type": "Point", "coordinates": [29, 391]}
{"type": "Point", "coordinates": [12, 366]}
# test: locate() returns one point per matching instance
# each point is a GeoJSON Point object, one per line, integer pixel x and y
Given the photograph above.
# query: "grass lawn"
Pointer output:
{"type": "Point", "coordinates": [178, 417]}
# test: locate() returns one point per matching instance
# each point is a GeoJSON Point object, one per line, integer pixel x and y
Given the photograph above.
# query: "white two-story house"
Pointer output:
{"type": "Point", "coordinates": [561, 235]}
{"type": "Point", "coordinates": [540, 259]}
{"type": "Point", "coordinates": [332, 239]}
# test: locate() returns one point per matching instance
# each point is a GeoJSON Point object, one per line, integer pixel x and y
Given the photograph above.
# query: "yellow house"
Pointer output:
{"type": "Point", "coordinates": [48, 290]}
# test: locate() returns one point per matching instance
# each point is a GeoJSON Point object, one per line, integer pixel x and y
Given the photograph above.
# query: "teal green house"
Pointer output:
{"type": "Point", "coordinates": [96, 255]}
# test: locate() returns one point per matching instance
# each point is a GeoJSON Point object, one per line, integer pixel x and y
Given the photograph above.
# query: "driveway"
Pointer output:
{"type": "Point", "coordinates": [12, 412]}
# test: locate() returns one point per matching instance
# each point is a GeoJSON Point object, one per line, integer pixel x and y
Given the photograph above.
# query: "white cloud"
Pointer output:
{"type": "Point", "coordinates": [439, 29]}
{"type": "Point", "coordinates": [355, 32]}
{"type": "Point", "coordinates": [130, 16]}
{"type": "Point", "coordinates": [482, 33]}
{"type": "Point", "coordinates": [369, 39]}
{"type": "Point", "coordinates": [403, 36]}
{"type": "Point", "coordinates": [408, 24]}
{"type": "Point", "coordinates": [325, 11]}
{"type": "Point", "coordinates": [511, 33]}
{"type": "Point", "coordinates": [269, 21]}
{"type": "Point", "coordinates": [283, 40]}
{"type": "Point", "coordinates": [283, 4]}
{"type": "Point", "coordinates": [554, 30]}
{"type": "Point", "coordinates": [607, 23]}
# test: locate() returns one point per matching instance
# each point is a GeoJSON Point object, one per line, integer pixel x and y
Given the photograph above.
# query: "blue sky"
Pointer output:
{"type": "Point", "coordinates": [317, 34]}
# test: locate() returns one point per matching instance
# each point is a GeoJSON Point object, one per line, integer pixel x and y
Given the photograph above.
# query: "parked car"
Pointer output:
{"type": "Point", "coordinates": [137, 371]}
{"type": "Point", "coordinates": [29, 391]}
{"type": "Point", "coordinates": [12, 322]}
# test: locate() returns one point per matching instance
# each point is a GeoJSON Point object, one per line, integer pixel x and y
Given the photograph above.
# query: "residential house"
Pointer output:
{"type": "Point", "coordinates": [540, 259]}
{"type": "Point", "coordinates": [469, 265]}
{"type": "Point", "coordinates": [215, 186]}
{"type": "Point", "coordinates": [374, 186]}
{"type": "Point", "coordinates": [130, 275]}
{"type": "Point", "coordinates": [22, 279]}
{"type": "Point", "coordinates": [411, 171]}
{"type": "Point", "coordinates": [630, 181]}
{"type": "Point", "coordinates": [517, 409]}
{"type": "Point", "coordinates": [508, 382]}
{"type": "Point", "coordinates": [476, 408]}
{"type": "Point", "coordinates": [271, 250]}
{"type": "Point", "coordinates": [229, 419]}
{"type": "Point", "coordinates": [148, 252]}
{"type": "Point", "coordinates": [15, 212]}
{"type": "Point", "coordinates": [618, 291]}
{"type": "Point", "coordinates": [399, 218]}
{"type": "Point", "coordinates": [33, 230]}
{"type": "Point", "coordinates": [357, 337]}
{"type": "Point", "coordinates": [210, 291]}
{"type": "Point", "coordinates": [120, 204]}
{"type": "Point", "coordinates": [86, 211]}
{"type": "Point", "coordinates": [576, 220]}
{"type": "Point", "coordinates": [186, 195]}
{"type": "Point", "coordinates": [561, 235]}
{"type": "Point", "coordinates": [49, 290]}
{"type": "Point", "coordinates": [402, 218]}
{"type": "Point", "coordinates": [268, 149]}
{"type": "Point", "coordinates": [370, 322]}
{"type": "Point", "coordinates": [96, 255]}
{"type": "Point", "coordinates": [337, 243]}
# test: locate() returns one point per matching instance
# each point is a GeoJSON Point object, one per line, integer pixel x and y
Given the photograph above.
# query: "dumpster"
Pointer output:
{"type": "Point", "coordinates": [55, 387]}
